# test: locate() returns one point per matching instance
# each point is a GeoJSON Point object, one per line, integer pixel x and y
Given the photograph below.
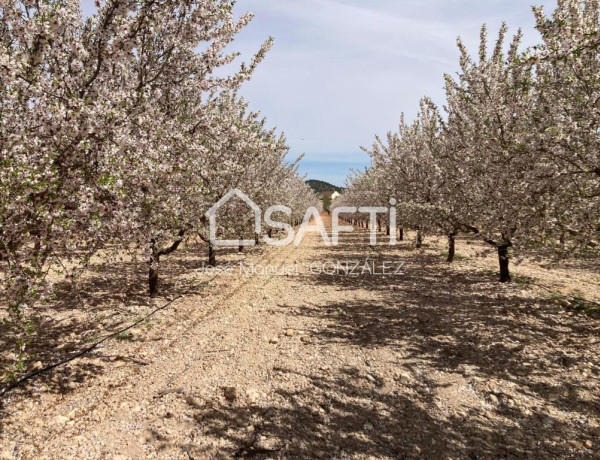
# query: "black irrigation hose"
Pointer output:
{"type": "Point", "coordinates": [92, 347]}
{"type": "Point", "coordinates": [85, 350]}
{"type": "Point", "coordinates": [125, 329]}
{"type": "Point", "coordinates": [97, 344]}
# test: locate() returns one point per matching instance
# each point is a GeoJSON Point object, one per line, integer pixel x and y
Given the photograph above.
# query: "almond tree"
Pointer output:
{"type": "Point", "coordinates": [246, 156]}
{"type": "Point", "coordinates": [516, 160]}
{"type": "Point", "coordinates": [407, 165]}
{"type": "Point", "coordinates": [58, 128]}
{"type": "Point", "coordinates": [567, 122]}
{"type": "Point", "coordinates": [100, 145]}
{"type": "Point", "coordinates": [412, 167]}
{"type": "Point", "coordinates": [360, 190]}
{"type": "Point", "coordinates": [488, 128]}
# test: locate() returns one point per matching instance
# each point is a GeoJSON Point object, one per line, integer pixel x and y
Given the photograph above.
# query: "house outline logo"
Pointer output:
{"type": "Point", "coordinates": [211, 214]}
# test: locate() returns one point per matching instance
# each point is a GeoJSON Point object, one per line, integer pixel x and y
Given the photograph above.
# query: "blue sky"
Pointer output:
{"type": "Point", "coordinates": [342, 71]}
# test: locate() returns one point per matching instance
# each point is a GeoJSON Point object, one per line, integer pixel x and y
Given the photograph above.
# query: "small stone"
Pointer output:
{"type": "Point", "coordinates": [250, 428]}
{"type": "Point", "coordinates": [274, 340]}
{"type": "Point", "coordinates": [368, 426]}
{"type": "Point", "coordinates": [305, 339]}
{"type": "Point", "coordinates": [289, 333]}
{"type": "Point", "coordinates": [589, 444]}
{"type": "Point", "coordinates": [230, 393]}
{"type": "Point", "coordinates": [494, 399]}
{"type": "Point", "coordinates": [371, 379]}
{"type": "Point", "coordinates": [553, 397]}
{"type": "Point", "coordinates": [61, 419]}
{"type": "Point", "coordinates": [37, 366]}
{"type": "Point", "coordinates": [252, 395]}
{"type": "Point", "coordinates": [404, 376]}
{"type": "Point", "coordinates": [147, 437]}
{"type": "Point", "coordinates": [192, 401]}
{"type": "Point", "coordinates": [548, 421]}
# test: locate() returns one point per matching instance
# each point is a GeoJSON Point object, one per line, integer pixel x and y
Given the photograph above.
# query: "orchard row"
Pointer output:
{"type": "Point", "coordinates": [119, 131]}
{"type": "Point", "coordinates": [514, 157]}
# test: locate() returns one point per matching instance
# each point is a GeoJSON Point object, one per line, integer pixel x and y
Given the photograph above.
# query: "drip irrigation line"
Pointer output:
{"type": "Point", "coordinates": [92, 347]}
{"type": "Point", "coordinates": [95, 345]}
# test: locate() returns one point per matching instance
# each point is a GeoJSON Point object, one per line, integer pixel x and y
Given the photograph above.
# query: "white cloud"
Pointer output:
{"type": "Point", "coordinates": [342, 71]}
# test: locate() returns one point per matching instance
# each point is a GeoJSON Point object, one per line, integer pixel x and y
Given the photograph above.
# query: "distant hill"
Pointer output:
{"type": "Point", "coordinates": [320, 186]}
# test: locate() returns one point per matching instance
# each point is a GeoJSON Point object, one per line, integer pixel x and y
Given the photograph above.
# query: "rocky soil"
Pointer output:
{"type": "Point", "coordinates": [434, 361]}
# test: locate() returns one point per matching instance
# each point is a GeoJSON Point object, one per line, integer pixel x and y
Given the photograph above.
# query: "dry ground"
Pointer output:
{"type": "Point", "coordinates": [437, 361]}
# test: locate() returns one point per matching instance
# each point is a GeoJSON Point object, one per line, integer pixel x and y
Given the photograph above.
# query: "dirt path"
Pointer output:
{"type": "Point", "coordinates": [430, 362]}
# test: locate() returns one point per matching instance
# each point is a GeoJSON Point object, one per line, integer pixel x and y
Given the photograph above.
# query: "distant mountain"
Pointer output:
{"type": "Point", "coordinates": [320, 186]}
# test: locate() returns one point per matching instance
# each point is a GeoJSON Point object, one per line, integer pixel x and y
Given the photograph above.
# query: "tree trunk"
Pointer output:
{"type": "Point", "coordinates": [212, 256]}
{"type": "Point", "coordinates": [419, 239]}
{"type": "Point", "coordinates": [153, 274]}
{"type": "Point", "coordinates": [451, 247]}
{"type": "Point", "coordinates": [504, 261]}
{"type": "Point", "coordinates": [155, 262]}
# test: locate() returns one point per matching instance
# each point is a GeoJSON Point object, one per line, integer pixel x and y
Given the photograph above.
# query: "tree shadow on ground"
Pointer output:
{"type": "Point", "coordinates": [330, 417]}
{"type": "Point", "coordinates": [109, 297]}
{"type": "Point", "coordinates": [528, 368]}
{"type": "Point", "coordinates": [345, 416]}
{"type": "Point", "coordinates": [542, 359]}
